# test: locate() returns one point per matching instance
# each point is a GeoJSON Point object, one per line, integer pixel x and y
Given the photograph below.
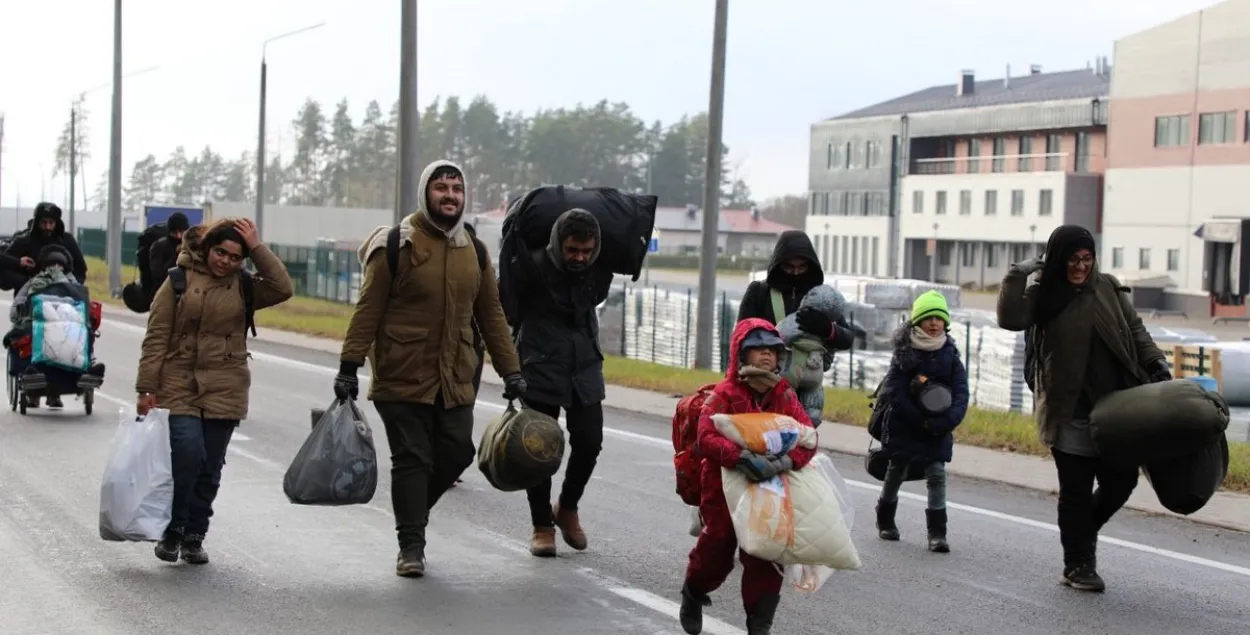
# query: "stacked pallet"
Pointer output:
{"type": "Point", "coordinates": [660, 326]}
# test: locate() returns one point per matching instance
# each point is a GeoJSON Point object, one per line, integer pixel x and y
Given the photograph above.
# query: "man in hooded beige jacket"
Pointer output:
{"type": "Point", "coordinates": [416, 328]}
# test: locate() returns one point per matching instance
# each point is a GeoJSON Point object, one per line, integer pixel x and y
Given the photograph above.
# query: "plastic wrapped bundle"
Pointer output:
{"type": "Point", "coordinates": [823, 298]}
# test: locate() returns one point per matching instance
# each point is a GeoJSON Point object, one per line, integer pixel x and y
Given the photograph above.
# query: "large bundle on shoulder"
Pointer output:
{"type": "Point", "coordinates": [626, 222]}
{"type": "Point", "coordinates": [520, 449]}
{"type": "Point", "coordinates": [1176, 430]}
{"type": "Point", "coordinates": [801, 518]}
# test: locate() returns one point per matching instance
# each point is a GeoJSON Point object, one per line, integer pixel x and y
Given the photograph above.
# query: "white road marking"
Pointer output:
{"type": "Point", "coordinates": [670, 608]}
{"type": "Point", "coordinates": [667, 444]}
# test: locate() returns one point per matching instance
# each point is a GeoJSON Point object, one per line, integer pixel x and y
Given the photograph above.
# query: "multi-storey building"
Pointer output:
{"type": "Point", "coordinates": [1177, 194]}
{"type": "Point", "coordinates": [953, 183]}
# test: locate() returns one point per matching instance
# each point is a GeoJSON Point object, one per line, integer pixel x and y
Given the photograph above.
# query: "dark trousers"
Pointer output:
{"type": "Point", "coordinates": [198, 450]}
{"type": "Point", "coordinates": [585, 426]}
{"type": "Point", "coordinates": [1083, 510]}
{"type": "Point", "coordinates": [431, 446]}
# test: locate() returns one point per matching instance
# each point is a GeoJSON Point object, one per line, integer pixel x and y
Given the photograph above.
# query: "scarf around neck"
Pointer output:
{"type": "Point", "coordinates": [925, 342]}
{"type": "Point", "coordinates": [760, 380]}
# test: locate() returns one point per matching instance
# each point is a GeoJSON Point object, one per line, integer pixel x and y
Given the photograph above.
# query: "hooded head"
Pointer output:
{"type": "Point", "coordinates": [55, 255]}
{"type": "Point", "coordinates": [47, 222]}
{"type": "Point", "coordinates": [754, 334]}
{"type": "Point", "coordinates": [575, 241]}
{"type": "Point", "coordinates": [217, 248]}
{"type": "Point", "coordinates": [794, 265]}
{"type": "Point", "coordinates": [930, 313]}
{"type": "Point", "coordinates": [177, 225]}
{"type": "Point", "coordinates": [442, 188]}
{"type": "Point", "coordinates": [1071, 262]}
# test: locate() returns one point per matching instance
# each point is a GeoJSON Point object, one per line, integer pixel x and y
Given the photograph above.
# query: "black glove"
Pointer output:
{"type": "Point", "coordinates": [758, 467]}
{"type": "Point", "coordinates": [346, 386]}
{"type": "Point", "coordinates": [1159, 371]}
{"type": "Point", "coordinates": [514, 386]}
{"type": "Point", "coordinates": [812, 321]}
{"type": "Point", "coordinates": [1027, 267]}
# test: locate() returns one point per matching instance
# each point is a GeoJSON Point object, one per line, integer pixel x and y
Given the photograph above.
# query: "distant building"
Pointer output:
{"type": "Point", "coordinates": [1179, 159]}
{"type": "Point", "coordinates": [954, 182]}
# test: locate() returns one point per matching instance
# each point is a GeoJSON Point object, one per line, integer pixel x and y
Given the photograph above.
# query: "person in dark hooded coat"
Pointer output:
{"type": "Point", "coordinates": [1088, 342]}
{"type": "Point", "coordinates": [46, 228]}
{"type": "Point", "coordinates": [793, 271]}
{"type": "Point", "coordinates": [556, 328]}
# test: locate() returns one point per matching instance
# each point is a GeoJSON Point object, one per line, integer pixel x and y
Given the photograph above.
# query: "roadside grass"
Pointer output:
{"type": "Point", "coordinates": [991, 429]}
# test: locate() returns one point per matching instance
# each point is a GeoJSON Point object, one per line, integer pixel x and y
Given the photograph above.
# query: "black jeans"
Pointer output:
{"type": "Point", "coordinates": [431, 446]}
{"type": "Point", "coordinates": [198, 450]}
{"type": "Point", "coordinates": [1083, 510]}
{"type": "Point", "coordinates": [585, 426]}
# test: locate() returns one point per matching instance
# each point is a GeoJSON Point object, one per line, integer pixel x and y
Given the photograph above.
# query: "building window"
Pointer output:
{"type": "Point", "coordinates": [833, 255]}
{"type": "Point", "coordinates": [875, 244]}
{"type": "Point", "coordinates": [1174, 260]}
{"type": "Point", "coordinates": [1117, 258]}
{"type": "Point", "coordinates": [855, 204]}
{"type": "Point", "coordinates": [991, 202]}
{"type": "Point", "coordinates": [874, 154]}
{"type": "Point", "coordinates": [1217, 127]}
{"type": "Point", "coordinates": [917, 202]}
{"type": "Point", "coordinates": [863, 254]}
{"type": "Point", "coordinates": [945, 250]}
{"type": "Point", "coordinates": [974, 156]}
{"type": "Point", "coordinates": [829, 157]}
{"type": "Point", "coordinates": [1172, 131]}
{"type": "Point", "coordinates": [846, 249]}
{"type": "Point", "coordinates": [991, 255]}
{"type": "Point", "coordinates": [854, 254]}
{"type": "Point", "coordinates": [940, 207]}
{"type": "Point", "coordinates": [1045, 202]}
{"type": "Point", "coordinates": [1017, 202]}
{"type": "Point", "coordinates": [1054, 152]}
{"type": "Point", "coordinates": [1000, 148]}
{"type": "Point", "coordinates": [968, 254]}
{"type": "Point", "coordinates": [811, 203]}
{"type": "Point", "coordinates": [1082, 152]}
{"type": "Point", "coordinates": [1248, 126]}
{"type": "Point", "coordinates": [1026, 149]}
{"type": "Point", "coordinates": [965, 202]}
{"type": "Point", "coordinates": [1143, 259]}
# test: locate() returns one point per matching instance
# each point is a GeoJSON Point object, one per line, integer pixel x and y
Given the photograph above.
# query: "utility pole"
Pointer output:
{"type": "Point", "coordinates": [406, 180]}
{"type": "Point", "coordinates": [711, 193]}
{"type": "Point", "coordinates": [2, 161]}
{"type": "Point", "coordinates": [113, 251]}
{"type": "Point", "coordinates": [73, 162]}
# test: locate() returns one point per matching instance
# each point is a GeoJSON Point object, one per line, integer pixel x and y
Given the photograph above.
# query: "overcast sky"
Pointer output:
{"type": "Point", "coordinates": [790, 63]}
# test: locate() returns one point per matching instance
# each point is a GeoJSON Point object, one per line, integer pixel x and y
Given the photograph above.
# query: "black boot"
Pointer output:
{"type": "Point", "coordinates": [936, 520]}
{"type": "Point", "coordinates": [193, 549]}
{"type": "Point", "coordinates": [886, 529]}
{"type": "Point", "coordinates": [691, 613]}
{"type": "Point", "coordinates": [1084, 576]}
{"type": "Point", "coordinates": [760, 621]}
{"type": "Point", "coordinates": [410, 563]}
{"type": "Point", "coordinates": [170, 546]}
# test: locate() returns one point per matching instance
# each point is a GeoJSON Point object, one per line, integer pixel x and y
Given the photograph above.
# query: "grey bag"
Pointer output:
{"type": "Point", "coordinates": [337, 464]}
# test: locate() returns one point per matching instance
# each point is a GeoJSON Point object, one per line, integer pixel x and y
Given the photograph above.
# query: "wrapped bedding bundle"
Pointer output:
{"type": "Point", "coordinates": [1157, 422]}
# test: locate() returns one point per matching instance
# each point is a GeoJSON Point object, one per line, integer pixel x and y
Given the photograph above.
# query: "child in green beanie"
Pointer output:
{"type": "Point", "coordinates": [926, 392]}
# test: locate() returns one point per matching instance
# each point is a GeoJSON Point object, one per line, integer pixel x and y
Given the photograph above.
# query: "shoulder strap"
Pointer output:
{"type": "Point", "coordinates": [392, 250]}
{"type": "Point", "coordinates": [178, 279]}
{"type": "Point", "coordinates": [779, 306]}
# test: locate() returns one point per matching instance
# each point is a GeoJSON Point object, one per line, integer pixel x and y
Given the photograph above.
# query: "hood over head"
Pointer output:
{"type": "Point", "coordinates": [48, 210]}
{"type": "Point", "coordinates": [192, 252]}
{"type": "Point", "coordinates": [1056, 291]}
{"type": "Point", "coordinates": [177, 222]}
{"type": "Point", "coordinates": [423, 210]}
{"type": "Point", "coordinates": [794, 244]}
{"type": "Point", "coordinates": [757, 330]}
{"type": "Point", "coordinates": [563, 229]}
{"type": "Point", "coordinates": [458, 235]}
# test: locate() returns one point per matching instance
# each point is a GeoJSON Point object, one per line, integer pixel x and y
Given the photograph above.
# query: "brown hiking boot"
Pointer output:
{"type": "Point", "coordinates": [543, 542]}
{"type": "Point", "coordinates": [570, 527]}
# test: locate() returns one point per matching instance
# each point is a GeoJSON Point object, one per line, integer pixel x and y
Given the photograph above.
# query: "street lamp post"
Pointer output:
{"type": "Point", "coordinates": [113, 251]}
{"type": "Point", "coordinates": [260, 139]}
{"type": "Point", "coordinates": [406, 180]}
{"type": "Point", "coordinates": [711, 192]}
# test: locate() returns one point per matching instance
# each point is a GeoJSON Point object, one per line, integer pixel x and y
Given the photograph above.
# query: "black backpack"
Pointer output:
{"type": "Point", "coordinates": [178, 278]}
{"type": "Point", "coordinates": [144, 251]}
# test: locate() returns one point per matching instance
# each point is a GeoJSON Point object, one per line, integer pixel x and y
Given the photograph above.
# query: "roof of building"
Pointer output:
{"type": "Point", "coordinates": [1024, 89]}
{"type": "Point", "coordinates": [732, 221]}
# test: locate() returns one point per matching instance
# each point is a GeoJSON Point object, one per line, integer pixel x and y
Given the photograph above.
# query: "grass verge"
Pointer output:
{"type": "Point", "coordinates": [982, 428]}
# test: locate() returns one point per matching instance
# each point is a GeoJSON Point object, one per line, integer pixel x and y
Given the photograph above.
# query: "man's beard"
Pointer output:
{"type": "Point", "coordinates": [574, 266]}
{"type": "Point", "coordinates": [436, 212]}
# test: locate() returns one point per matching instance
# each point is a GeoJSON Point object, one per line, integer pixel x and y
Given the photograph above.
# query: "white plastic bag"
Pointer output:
{"type": "Point", "coordinates": [137, 494]}
{"type": "Point", "coordinates": [809, 578]}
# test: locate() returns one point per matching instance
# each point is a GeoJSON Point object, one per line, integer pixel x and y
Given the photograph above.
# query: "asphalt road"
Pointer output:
{"type": "Point", "coordinates": [283, 569]}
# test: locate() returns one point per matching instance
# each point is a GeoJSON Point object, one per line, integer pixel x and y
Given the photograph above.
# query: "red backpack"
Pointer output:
{"type": "Point", "coordinates": [685, 432]}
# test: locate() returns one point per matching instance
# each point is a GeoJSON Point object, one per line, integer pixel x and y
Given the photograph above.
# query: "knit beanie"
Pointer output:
{"type": "Point", "coordinates": [930, 304]}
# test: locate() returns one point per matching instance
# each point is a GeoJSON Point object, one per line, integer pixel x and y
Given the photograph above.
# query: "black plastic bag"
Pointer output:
{"type": "Point", "coordinates": [626, 222]}
{"type": "Point", "coordinates": [520, 449]}
{"type": "Point", "coordinates": [1184, 485]}
{"type": "Point", "coordinates": [337, 465]}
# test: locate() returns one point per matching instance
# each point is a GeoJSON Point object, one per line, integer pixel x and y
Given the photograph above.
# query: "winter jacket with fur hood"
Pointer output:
{"type": "Point", "coordinates": [194, 355]}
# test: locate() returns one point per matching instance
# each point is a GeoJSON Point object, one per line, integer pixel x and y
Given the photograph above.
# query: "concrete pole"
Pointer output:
{"type": "Point", "coordinates": [113, 251]}
{"type": "Point", "coordinates": [73, 163]}
{"type": "Point", "coordinates": [260, 150]}
{"type": "Point", "coordinates": [711, 193]}
{"type": "Point", "coordinates": [406, 179]}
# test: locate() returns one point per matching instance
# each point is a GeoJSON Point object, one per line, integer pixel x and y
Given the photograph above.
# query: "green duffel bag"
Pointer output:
{"type": "Point", "coordinates": [1157, 422]}
{"type": "Point", "coordinates": [520, 449]}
